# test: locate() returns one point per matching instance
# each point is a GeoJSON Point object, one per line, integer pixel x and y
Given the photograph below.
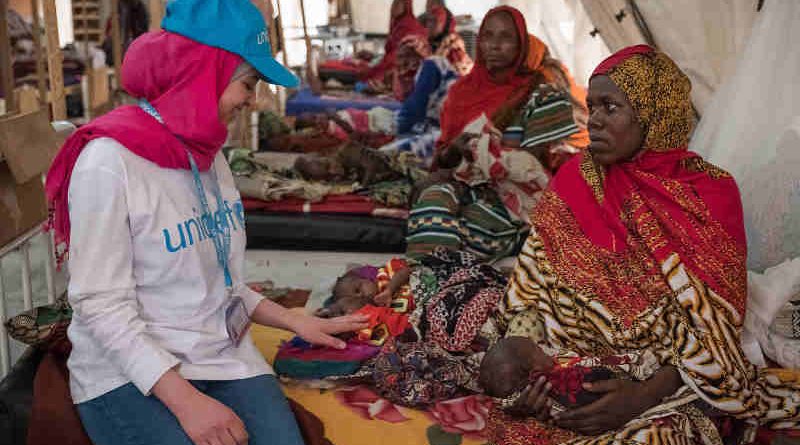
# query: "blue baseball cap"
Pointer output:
{"type": "Point", "coordinates": [233, 25]}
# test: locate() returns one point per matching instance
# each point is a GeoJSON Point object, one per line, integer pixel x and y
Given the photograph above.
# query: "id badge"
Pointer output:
{"type": "Point", "coordinates": [236, 320]}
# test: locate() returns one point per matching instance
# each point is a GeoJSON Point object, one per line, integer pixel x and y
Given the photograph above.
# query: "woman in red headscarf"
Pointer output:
{"type": "Point", "coordinates": [489, 175]}
{"type": "Point", "coordinates": [403, 23]}
{"type": "Point", "coordinates": [444, 40]}
{"type": "Point", "coordinates": [636, 262]}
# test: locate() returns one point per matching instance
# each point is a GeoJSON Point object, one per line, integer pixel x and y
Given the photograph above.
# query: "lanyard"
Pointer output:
{"type": "Point", "coordinates": [219, 228]}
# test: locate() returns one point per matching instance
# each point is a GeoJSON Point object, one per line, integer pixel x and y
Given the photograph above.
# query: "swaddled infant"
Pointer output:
{"type": "Point", "coordinates": [514, 363]}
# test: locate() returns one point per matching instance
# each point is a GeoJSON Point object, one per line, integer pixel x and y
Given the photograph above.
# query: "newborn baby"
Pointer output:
{"type": "Point", "coordinates": [382, 294]}
{"type": "Point", "coordinates": [382, 287]}
{"type": "Point", "coordinates": [513, 363]}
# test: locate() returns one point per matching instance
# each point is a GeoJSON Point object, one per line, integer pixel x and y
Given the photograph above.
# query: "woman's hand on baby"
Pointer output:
{"type": "Point", "coordinates": [622, 402]}
{"type": "Point", "coordinates": [321, 331]}
{"type": "Point", "coordinates": [535, 401]}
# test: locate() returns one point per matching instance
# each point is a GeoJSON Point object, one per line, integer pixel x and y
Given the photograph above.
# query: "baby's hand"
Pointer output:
{"type": "Point", "coordinates": [383, 298]}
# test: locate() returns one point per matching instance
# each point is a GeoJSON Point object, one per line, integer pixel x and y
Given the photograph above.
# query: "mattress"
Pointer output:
{"type": "Point", "coordinates": [343, 233]}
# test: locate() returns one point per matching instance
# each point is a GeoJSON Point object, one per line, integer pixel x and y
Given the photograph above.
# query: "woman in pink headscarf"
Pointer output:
{"type": "Point", "coordinates": [145, 205]}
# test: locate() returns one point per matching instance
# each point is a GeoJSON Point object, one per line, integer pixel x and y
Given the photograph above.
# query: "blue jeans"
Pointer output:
{"type": "Point", "coordinates": [125, 417]}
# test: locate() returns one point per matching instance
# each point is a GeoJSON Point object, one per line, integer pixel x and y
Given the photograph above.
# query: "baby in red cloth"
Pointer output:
{"type": "Point", "coordinates": [381, 293]}
{"type": "Point", "coordinates": [513, 363]}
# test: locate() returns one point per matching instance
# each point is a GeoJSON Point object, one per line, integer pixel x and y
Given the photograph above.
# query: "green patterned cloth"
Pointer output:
{"type": "Point", "coordinates": [43, 326]}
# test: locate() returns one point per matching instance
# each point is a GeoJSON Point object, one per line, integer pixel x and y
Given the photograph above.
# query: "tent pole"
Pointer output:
{"type": "Point", "coordinates": [156, 9]}
{"type": "Point", "coordinates": [88, 112]}
{"type": "Point", "coordinates": [642, 24]}
{"type": "Point", "coordinates": [6, 67]}
{"type": "Point", "coordinates": [116, 45]}
{"type": "Point", "coordinates": [54, 61]}
{"type": "Point", "coordinates": [275, 35]}
{"type": "Point", "coordinates": [282, 37]}
{"type": "Point", "coordinates": [305, 32]}
{"type": "Point", "coordinates": [41, 76]}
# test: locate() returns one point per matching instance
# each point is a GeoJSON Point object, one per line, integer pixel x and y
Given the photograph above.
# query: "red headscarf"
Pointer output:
{"type": "Point", "coordinates": [610, 231]}
{"type": "Point", "coordinates": [413, 49]}
{"type": "Point", "coordinates": [399, 27]}
{"type": "Point", "coordinates": [442, 14]}
{"type": "Point", "coordinates": [185, 92]}
{"type": "Point", "coordinates": [477, 93]}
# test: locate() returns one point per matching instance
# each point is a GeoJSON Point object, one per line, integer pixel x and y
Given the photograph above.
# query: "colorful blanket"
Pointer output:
{"type": "Point", "coordinates": [299, 359]}
{"type": "Point", "coordinates": [357, 415]}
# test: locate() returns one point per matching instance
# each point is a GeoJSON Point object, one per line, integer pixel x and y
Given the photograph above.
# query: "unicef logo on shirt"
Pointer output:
{"type": "Point", "coordinates": [204, 227]}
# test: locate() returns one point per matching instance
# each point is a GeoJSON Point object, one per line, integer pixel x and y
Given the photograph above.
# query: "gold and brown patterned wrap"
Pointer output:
{"type": "Point", "coordinates": [664, 108]}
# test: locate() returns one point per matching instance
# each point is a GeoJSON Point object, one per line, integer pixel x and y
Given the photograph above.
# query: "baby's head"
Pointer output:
{"type": "Point", "coordinates": [508, 365]}
{"type": "Point", "coordinates": [318, 168]}
{"type": "Point", "coordinates": [350, 293]}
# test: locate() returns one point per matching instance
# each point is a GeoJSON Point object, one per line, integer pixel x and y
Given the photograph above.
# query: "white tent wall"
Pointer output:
{"type": "Point", "coordinates": [615, 32]}
{"type": "Point", "coordinates": [703, 37]}
{"type": "Point", "coordinates": [751, 128]}
{"type": "Point", "coordinates": [756, 109]}
{"type": "Point", "coordinates": [292, 22]}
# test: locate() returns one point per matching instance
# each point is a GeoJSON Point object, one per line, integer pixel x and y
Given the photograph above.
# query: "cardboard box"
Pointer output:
{"type": "Point", "coordinates": [22, 206]}
{"type": "Point", "coordinates": [28, 144]}
{"type": "Point", "coordinates": [27, 99]}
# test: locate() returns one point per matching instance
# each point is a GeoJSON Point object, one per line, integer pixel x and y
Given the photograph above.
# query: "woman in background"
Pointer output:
{"type": "Point", "coordinates": [403, 23]}
{"type": "Point", "coordinates": [511, 68]}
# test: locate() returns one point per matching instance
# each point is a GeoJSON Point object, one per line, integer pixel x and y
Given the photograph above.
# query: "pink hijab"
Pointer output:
{"type": "Point", "coordinates": [184, 81]}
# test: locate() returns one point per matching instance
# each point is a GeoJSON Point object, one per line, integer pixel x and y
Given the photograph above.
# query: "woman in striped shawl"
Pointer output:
{"type": "Point", "coordinates": [636, 257]}
{"type": "Point", "coordinates": [499, 124]}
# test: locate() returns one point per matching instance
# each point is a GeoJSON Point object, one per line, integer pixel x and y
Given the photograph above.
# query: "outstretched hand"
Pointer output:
{"type": "Point", "coordinates": [321, 331]}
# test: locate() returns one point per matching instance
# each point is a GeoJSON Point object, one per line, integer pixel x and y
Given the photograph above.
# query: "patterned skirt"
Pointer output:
{"type": "Point", "coordinates": [463, 218]}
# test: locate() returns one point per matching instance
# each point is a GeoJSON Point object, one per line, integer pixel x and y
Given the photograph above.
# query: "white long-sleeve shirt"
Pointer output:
{"type": "Point", "coordinates": [145, 286]}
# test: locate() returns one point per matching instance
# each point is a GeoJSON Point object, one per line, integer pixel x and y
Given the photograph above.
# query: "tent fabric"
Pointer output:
{"type": "Point", "coordinates": [617, 34]}
{"type": "Point", "coordinates": [703, 37]}
{"type": "Point", "coordinates": [752, 129]}
{"type": "Point", "coordinates": [768, 294]}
